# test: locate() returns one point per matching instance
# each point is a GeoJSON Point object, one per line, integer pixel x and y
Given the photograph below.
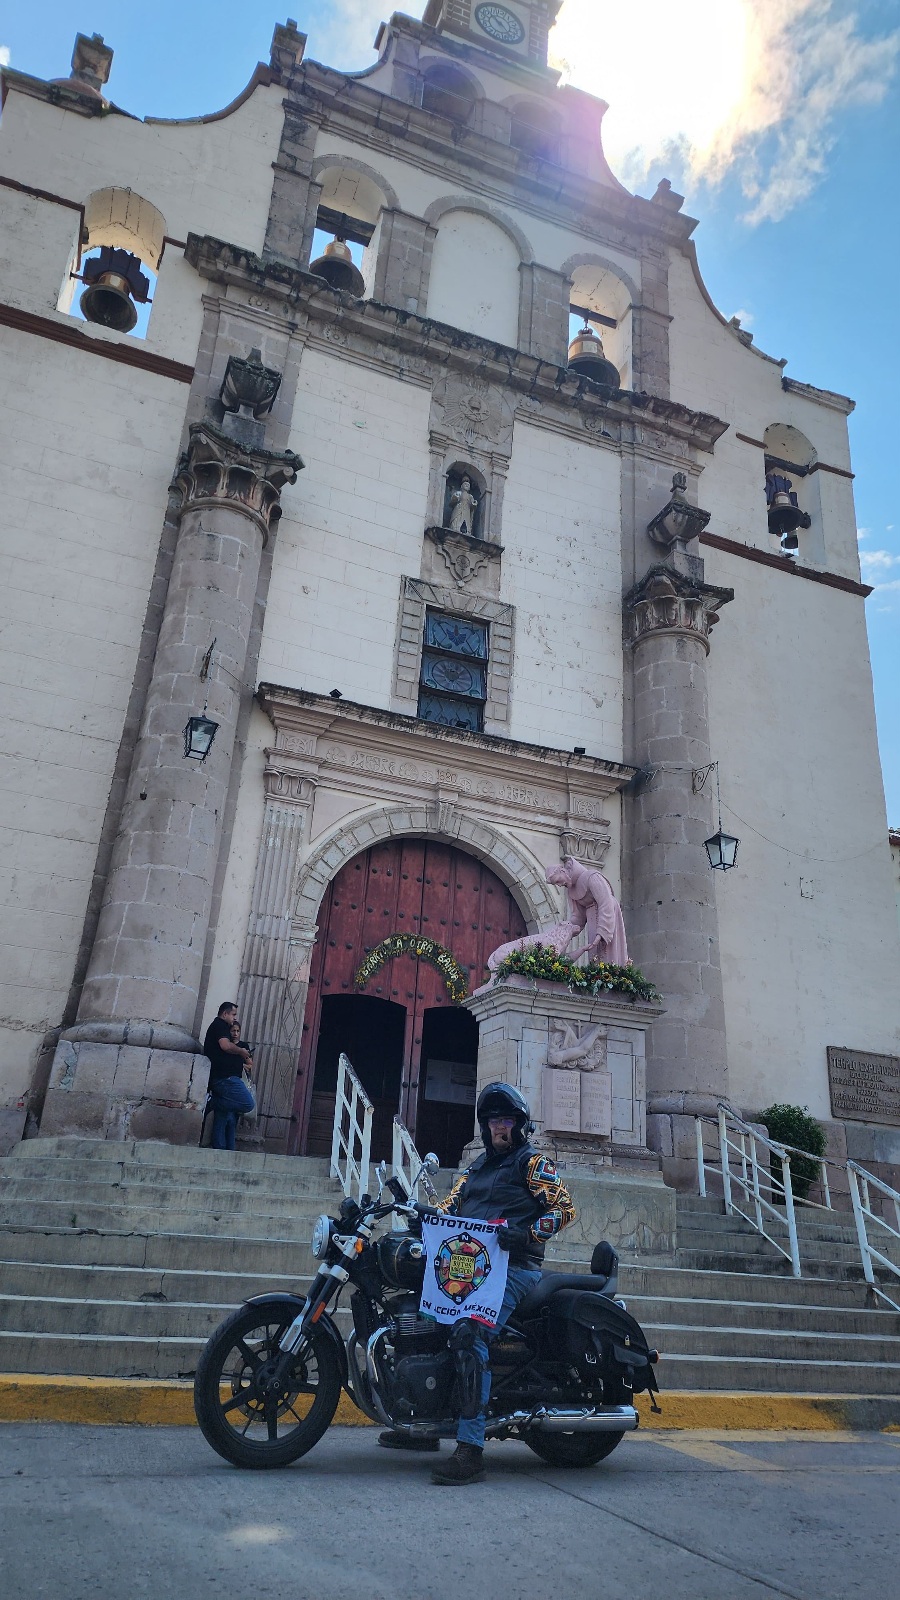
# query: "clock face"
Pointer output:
{"type": "Point", "coordinates": [500, 24]}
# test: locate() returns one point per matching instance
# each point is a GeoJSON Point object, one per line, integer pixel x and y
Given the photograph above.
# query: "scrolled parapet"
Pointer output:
{"type": "Point", "coordinates": [667, 602]}
{"type": "Point", "coordinates": [218, 471]}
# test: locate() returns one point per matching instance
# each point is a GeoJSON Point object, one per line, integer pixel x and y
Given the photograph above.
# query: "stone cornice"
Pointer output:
{"type": "Point", "coordinates": [374, 748]}
{"type": "Point", "coordinates": [425, 348]}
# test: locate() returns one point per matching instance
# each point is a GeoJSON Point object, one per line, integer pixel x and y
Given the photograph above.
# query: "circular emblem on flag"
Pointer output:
{"type": "Point", "coordinates": [461, 1266]}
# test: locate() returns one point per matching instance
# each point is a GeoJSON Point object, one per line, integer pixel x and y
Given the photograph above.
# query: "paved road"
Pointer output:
{"type": "Point", "coordinates": [152, 1514]}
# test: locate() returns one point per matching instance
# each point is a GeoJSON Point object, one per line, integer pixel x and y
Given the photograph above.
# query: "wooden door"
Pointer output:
{"type": "Point", "coordinates": [402, 886]}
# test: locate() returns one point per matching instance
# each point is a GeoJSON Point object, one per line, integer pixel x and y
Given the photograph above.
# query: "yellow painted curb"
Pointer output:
{"type": "Point", "coordinates": [37, 1397]}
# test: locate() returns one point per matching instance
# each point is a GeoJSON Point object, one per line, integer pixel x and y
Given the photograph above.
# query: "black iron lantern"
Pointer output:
{"type": "Point", "coordinates": [199, 733]}
{"type": "Point", "coordinates": [722, 850]}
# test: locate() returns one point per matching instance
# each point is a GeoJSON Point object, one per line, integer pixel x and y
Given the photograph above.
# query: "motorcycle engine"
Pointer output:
{"type": "Point", "coordinates": [423, 1370]}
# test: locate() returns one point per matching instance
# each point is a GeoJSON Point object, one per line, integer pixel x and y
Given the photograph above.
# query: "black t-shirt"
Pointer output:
{"type": "Point", "coordinates": [221, 1064]}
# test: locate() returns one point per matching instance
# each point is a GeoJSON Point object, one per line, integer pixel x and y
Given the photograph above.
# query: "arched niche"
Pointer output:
{"type": "Point", "coordinates": [117, 219]}
{"type": "Point", "coordinates": [352, 200]}
{"type": "Point", "coordinates": [449, 91]}
{"type": "Point", "coordinates": [601, 287]}
{"type": "Point", "coordinates": [790, 460]}
{"type": "Point", "coordinates": [455, 476]}
{"type": "Point", "coordinates": [475, 283]}
{"type": "Point", "coordinates": [536, 129]}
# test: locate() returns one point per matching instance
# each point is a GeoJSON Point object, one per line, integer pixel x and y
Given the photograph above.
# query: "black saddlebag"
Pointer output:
{"type": "Point", "coordinates": [592, 1333]}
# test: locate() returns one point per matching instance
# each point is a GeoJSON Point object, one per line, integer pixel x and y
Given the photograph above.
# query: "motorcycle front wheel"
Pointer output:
{"type": "Point", "coordinates": [238, 1416]}
{"type": "Point", "coordinates": [573, 1449]}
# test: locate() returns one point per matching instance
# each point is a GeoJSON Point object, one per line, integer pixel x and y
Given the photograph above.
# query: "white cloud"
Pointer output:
{"type": "Point", "coordinates": [4, 55]}
{"type": "Point", "coordinates": [346, 35]}
{"type": "Point", "coordinates": [745, 318]}
{"type": "Point", "coordinates": [875, 561]}
{"type": "Point", "coordinates": [862, 533]}
{"type": "Point", "coordinates": [713, 87]}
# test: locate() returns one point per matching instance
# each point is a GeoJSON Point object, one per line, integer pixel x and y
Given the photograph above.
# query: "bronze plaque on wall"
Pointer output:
{"type": "Point", "coordinates": [864, 1087]}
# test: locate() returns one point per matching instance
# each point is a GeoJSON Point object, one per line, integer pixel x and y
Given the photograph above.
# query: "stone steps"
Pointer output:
{"type": "Point", "coordinates": [167, 1240]}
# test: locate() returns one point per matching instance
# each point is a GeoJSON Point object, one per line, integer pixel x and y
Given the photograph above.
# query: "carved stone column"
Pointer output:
{"type": "Point", "coordinates": [276, 953]}
{"type": "Point", "coordinates": [672, 922]}
{"type": "Point", "coordinates": [133, 1041]}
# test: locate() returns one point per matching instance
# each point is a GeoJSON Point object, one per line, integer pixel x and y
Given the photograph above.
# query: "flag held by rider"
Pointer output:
{"type": "Point", "coordinates": [465, 1270]}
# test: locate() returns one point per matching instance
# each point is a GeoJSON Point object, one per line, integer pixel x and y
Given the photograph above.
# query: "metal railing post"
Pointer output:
{"type": "Point", "coordinates": [825, 1186]}
{"type": "Point", "coordinates": [789, 1213]}
{"type": "Point", "coordinates": [726, 1170]}
{"type": "Point", "coordinates": [338, 1120]}
{"type": "Point", "coordinates": [701, 1167]}
{"type": "Point", "coordinates": [861, 1232]}
{"type": "Point", "coordinates": [757, 1204]}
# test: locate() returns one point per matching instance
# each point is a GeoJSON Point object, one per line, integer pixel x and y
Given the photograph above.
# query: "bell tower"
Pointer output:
{"type": "Point", "coordinates": [514, 28]}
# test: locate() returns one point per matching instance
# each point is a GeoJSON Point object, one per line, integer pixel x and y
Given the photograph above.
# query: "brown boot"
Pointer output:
{"type": "Point", "coordinates": [466, 1465]}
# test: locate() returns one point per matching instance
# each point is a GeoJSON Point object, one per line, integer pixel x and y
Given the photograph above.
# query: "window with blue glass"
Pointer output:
{"type": "Point", "coordinates": [453, 680]}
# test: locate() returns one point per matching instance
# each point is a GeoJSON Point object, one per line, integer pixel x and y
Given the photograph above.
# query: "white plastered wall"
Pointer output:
{"type": "Point", "coordinates": [807, 921]}
{"type": "Point", "coordinates": [474, 278]}
{"type": "Point", "coordinates": [562, 572]}
{"type": "Point", "coordinates": [352, 528]}
{"type": "Point", "coordinates": [88, 453]}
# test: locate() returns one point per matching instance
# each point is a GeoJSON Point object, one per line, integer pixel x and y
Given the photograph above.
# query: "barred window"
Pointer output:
{"type": "Point", "coordinates": [453, 679]}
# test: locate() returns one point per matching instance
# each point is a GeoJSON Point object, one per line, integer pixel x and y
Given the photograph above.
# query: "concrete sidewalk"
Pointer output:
{"type": "Point", "coordinates": [101, 1513]}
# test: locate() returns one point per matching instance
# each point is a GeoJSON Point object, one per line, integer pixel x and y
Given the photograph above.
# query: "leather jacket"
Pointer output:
{"type": "Point", "coordinates": [521, 1188]}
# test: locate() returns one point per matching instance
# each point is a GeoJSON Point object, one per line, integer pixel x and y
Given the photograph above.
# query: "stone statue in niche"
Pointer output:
{"type": "Point", "coordinates": [592, 905]}
{"type": "Point", "coordinates": [463, 507]}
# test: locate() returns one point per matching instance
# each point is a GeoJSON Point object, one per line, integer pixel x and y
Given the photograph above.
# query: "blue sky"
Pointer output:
{"type": "Point", "coordinates": [811, 148]}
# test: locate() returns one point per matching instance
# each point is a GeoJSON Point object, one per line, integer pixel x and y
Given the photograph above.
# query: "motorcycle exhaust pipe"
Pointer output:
{"type": "Point", "coordinates": [610, 1419]}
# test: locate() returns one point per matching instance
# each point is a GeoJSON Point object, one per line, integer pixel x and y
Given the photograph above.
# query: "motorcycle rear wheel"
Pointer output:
{"type": "Point", "coordinates": [242, 1423]}
{"type": "Point", "coordinates": [573, 1449]}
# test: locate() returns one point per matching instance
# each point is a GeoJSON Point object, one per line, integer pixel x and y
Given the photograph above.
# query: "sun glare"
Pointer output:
{"type": "Point", "coordinates": [678, 79]}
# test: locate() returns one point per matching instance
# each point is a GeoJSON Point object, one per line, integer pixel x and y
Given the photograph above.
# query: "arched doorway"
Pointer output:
{"type": "Point", "coordinates": [417, 1053]}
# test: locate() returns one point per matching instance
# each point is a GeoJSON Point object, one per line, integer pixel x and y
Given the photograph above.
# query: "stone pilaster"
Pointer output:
{"type": "Point", "coordinates": [672, 922]}
{"type": "Point", "coordinates": [403, 269]}
{"type": "Point", "coordinates": [276, 952]}
{"type": "Point", "coordinates": [544, 299]}
{"type": "Point", "coordinates": [144, 974]}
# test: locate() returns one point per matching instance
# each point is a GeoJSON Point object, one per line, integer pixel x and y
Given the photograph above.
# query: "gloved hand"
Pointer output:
{"type": "Point", "coordinates": [512, 1238]}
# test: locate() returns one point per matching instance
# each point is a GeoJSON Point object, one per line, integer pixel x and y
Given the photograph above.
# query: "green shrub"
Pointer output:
{"type": "Point", "coordinates": [794, 1125]}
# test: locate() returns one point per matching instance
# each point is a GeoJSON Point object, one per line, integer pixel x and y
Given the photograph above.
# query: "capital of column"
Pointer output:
{"type": "Point", "coordinates": [667, 602]}
{"type": "Point", "coordinates": [216, 470]}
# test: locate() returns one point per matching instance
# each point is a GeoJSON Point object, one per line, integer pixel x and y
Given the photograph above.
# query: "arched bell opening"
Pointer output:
{"type": "Point", "coordinates": [428, 890]}
{"type": "Point", "coordinates": [792, 500]}
{"type": "Point", "coordinates": [600, 324]}
{"type": "Point", "coordinates": [346, 238]}
{"type": "Point", "coordinates": [111, 279]}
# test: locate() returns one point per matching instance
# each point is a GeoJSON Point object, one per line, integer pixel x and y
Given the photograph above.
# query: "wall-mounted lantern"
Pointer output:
{"type": "Point", "coordinates": [722, 848]}
{"type": "Point", "coordinates": [199, 733]}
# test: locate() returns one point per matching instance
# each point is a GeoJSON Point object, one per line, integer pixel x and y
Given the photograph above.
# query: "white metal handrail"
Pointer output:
{"type": "Point", "coordinates": [351, 1139]}
{"type": "Point", "coordinates": [405, 1158]}
{"type": "Point", "coordinates": [860, 1182]}
{"type": "Point", "coordinates": [745, 1175]}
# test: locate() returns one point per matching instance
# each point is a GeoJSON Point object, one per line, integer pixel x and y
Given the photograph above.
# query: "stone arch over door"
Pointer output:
{"type": "Point", "coordinates": [516, 867]}
{"type": "Point", "coordinates": [425, 887]}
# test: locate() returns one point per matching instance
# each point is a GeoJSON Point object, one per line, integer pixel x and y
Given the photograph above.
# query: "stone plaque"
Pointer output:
{"type": "Point", "coordinates": [864, 1087]}
{"type": "Point", "coordinates": [577, 1102]}
{"type": "Point", "coordinates": [561, 1100]}
{"type": "Point", "coordinates": [596, 1104]}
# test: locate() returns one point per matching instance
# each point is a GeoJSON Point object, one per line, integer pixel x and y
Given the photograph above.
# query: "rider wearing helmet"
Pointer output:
{"type": "Point", "coordinates": [517, 1183]}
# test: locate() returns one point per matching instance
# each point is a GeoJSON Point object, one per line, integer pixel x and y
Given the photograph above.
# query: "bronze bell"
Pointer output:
{"type": "Point", "coordinates": [586, 356]}
{"type": "Point", "coordinates": [784, 513]}
{"type": "Point", "coordinates": [114, 282]}
{"type": "Point", "coordinates": [337, 268]}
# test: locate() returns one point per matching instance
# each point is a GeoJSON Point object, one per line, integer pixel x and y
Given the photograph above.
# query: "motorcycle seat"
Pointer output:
{"type": "Point", "coordinates": [533, 1303]}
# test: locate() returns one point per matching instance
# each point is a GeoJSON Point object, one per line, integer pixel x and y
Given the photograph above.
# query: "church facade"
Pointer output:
{"type": "Point", "coordinates": [299, 446]}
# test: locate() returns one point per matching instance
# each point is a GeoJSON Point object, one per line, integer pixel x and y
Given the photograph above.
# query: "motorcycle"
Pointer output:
{"type": "Point", "coordinates": [564, 1370]}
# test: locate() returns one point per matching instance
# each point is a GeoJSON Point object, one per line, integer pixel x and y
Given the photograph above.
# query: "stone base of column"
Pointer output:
{"type": "Point", "coordinates": [672, 1133]}
{"type": "Point", "coordinates": [138, 1089]}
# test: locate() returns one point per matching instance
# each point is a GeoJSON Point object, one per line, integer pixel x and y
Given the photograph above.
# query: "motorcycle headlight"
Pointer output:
{"type": "Point", "coordinates": [321, 1237]}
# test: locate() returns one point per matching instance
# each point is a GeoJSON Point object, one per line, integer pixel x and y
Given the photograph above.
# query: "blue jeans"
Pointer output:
{"type": "Point", "coordinates": [518, 1281]}
{"type": "Point", "coordinates": [230, 1099]}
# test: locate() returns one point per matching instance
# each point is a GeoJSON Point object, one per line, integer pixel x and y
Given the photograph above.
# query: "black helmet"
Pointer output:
{"type": "Point", "coordinates": [503, 1100]}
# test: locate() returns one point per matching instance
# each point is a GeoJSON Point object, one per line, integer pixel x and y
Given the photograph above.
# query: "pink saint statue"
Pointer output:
{"type": "Point", "coordinates": [592, 904]}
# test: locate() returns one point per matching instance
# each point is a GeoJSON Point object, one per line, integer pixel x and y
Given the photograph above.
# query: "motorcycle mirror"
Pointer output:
{"type": "Point", "coordinates": [432, 1161]}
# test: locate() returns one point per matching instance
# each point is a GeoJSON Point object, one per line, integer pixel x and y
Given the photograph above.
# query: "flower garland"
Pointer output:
{"type": "Point", "coordinates": [456, 977]}
{"type": "Point", "coordinates": [539, 961]}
